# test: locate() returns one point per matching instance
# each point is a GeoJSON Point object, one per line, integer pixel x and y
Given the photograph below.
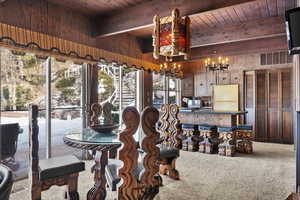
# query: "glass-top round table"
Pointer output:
{"type": "Point", "coordinates": [90, 139]}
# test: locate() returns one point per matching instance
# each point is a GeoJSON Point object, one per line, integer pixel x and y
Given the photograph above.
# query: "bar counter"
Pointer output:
{"type": "Point", "coordinates": [209, 116]}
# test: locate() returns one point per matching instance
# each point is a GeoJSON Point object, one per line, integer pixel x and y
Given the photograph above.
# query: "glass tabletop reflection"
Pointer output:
{"type": "Point", "coordinates": [91, 136]}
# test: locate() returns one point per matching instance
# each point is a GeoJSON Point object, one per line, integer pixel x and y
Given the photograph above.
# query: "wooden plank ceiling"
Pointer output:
{"type": "Point", "coordinates": [97, 7]}
{"type": "Point", "coordinates": [212, 21]}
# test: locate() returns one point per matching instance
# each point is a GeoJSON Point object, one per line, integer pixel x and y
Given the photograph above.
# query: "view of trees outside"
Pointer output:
{"type": "Point", "coordinates": [109, 83]}
{"type": "Point", "coordinates": [65, 103]}
{"type": "Point", "coordinates": [23, 81]}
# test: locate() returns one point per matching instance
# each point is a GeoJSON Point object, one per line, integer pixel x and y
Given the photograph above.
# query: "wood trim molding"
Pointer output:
{"type": "Point", "coordinates": [26, 40]}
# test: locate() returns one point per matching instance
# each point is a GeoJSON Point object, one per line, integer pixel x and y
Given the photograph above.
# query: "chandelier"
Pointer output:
{"type": "Point", "coordinates": [171, 36]}
{"type": "Point", "coordinates": [219, 64]}
{"type": "Point", "coordinates": [168, 68]}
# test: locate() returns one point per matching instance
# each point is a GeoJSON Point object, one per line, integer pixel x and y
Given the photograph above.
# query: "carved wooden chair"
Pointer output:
{"type": "Point", "coordinates": [59, 171]}
{"type": "Point", "coordinates": [9, 142]}
{"type": "Point", "coordinates": [140, 178]}
{"type": "Point", "coordinates": [171, 142]}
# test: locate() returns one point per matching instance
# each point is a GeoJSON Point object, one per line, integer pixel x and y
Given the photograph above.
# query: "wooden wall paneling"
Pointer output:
{"type": "Point", "coordinates": [264, 8]}
{"type": "Point", "coordinates": [273, 104]}
{"type": "Point", "coordinates": [281, 7]}
{"type": "Point", "coordinates": [272, 6]}
{"type": "Point", "coordinates": [261, 108]}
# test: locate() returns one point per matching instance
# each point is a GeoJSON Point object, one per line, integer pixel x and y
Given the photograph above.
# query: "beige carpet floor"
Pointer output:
{"type": "Point", "coordinates": [267, 174]}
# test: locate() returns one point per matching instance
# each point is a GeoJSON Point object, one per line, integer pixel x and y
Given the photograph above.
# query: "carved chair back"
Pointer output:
{"type": "Point", "coordinates": [170, 126]}
{"type": "Point", "coordinates": [9, 138]}
{"type": "Point", "coordinates": [146, 185]}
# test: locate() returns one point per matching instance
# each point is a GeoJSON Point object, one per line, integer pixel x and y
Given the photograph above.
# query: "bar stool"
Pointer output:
{"type": "Point", "coordinates": [244, 134]}
{"type": "Point", "coordinates": [228, 138]}
{"type": "Point", "coordinates": [189, 137]}
{"type": "Point", "coordinates": [209, 143]}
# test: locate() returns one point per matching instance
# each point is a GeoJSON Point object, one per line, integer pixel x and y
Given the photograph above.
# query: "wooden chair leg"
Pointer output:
{"type": "Point", "coordinates": [71, 193]}
{"type": "Point", "coordinates": [35, 187]}
{"type": "Point", "coordinates": [173, 173]}
{"type": "Point", "coordinates": [36, 193]}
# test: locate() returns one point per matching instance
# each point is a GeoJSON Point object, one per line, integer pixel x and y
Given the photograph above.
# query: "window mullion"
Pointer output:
{"type": "Point", "coordinates": [48, 108]}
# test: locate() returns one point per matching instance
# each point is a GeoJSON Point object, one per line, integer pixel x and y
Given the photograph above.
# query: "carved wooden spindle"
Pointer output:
{"type": "Point", "coordinates": [164, 123]}
{"type": "Point", "coordinates": [34, 185]}
{"type": "Point", "coordinates": [151, 152]}
{"type": "Point", "coordinates": [174, 126]}
{"type": "Point", "coordinates": [129, 155]}
{"type": "Point", "coordinates": [107, 115]}
{"type": "Point", "coordinates": [96, 112]}
{"type": "Point", "coordinates": [98, 191]}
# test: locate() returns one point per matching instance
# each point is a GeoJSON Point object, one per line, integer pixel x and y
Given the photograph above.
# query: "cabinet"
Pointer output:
{"type": "Point", "coordinates": [187, 86]}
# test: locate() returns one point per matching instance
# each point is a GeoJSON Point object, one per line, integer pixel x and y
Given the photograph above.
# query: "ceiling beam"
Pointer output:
{"type": "Point", "coordinates": [140, 16]}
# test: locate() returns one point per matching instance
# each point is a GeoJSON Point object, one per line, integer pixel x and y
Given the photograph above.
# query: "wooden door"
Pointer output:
{"type": "Point", "coordinates": [250, 97]}
{"type": "Point", "coordinates": [273, 111]}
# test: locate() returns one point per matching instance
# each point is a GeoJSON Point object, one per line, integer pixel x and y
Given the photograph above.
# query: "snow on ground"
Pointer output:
{"type": "Point", "coordinates": [59, 128]}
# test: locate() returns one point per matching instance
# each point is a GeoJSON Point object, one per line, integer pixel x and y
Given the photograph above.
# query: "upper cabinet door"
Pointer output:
{"type": "Point", "coordinates": [187, 86]}
{"type": "Point", "coordinates": [236, 77]}
{"type": "Point", "coordinates": [224, 78]}
{"type": "Point", "coordinates": [211, 81]}
{"type": "Point", "coordinates": [200, 84]}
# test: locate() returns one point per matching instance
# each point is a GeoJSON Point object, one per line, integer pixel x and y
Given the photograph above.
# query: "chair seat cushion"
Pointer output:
{"type": "Point", "coordinates": [207, 127]}
{"type": "Point", "coordinates": [226, 129]}
{"type": "Point", "coordinates": [169, 153]}
{"type": "Point", "coordinates": [60, 166]}
{"type": "Point", "coordinates": [188, 126]}
{"type": "Point", "coordinates": [245, 127]}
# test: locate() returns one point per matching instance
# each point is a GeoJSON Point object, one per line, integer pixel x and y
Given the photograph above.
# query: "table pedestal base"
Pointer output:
{"type": "Point", "coordinates": [98, 192]}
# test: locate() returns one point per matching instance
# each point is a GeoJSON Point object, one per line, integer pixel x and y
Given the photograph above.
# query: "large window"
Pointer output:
{"type": "Point", "coordinates": [57, 87]}
{"type": "Point", "coordinates": [66, 86]}
{"type": "Point", "coordinates": [165, 90]}
{"type": "Point", "coordinates": [22, 83]}
{"type": "Point", "coordinates": [118, 85]}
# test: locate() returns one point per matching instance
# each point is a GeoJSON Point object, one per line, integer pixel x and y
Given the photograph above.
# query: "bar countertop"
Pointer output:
{"type": "Point", "coordinates": [210, 111]}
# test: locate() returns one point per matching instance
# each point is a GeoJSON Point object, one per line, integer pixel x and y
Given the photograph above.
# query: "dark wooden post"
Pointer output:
{"type": "Point", "coordinates": [148, 89]}
{"type": "Point", "coordinates": [34, 184]}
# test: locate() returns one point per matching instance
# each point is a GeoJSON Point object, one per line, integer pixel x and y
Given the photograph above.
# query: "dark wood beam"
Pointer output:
{"type": "Point", "coordinates": [250, 30]}
{"type": "Point", "coordinates": [141, 16]}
